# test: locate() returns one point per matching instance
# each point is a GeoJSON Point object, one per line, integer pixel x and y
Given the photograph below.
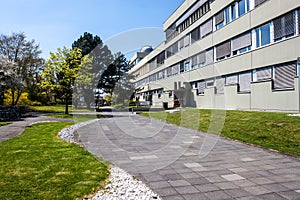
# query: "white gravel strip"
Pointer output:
{"type": "Point", "coordinates": [121, 186]}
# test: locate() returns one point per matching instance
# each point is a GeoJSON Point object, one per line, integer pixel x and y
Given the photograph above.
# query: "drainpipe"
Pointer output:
{"type": "Point", "coordinates": [298, 71]}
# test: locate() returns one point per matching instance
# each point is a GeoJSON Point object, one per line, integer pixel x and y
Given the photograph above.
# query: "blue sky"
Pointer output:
{"type": "Point", "coordinates": [57, 23]}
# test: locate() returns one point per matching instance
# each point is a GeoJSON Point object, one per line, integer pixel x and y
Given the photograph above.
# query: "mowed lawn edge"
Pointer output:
{"type": "Point", "coordinates": [276, 131]}
{"type": "Point", "coordinates": [39, 165]}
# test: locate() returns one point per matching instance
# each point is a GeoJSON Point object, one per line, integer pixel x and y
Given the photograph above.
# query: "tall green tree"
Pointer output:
{"type": "Point", "coordinates": [60, 72]}
{"type": "Point", "coordinates": [26, 55]}
{"type": "Point", "coordinates": [114, 72]}
{"type": "Point", "coordinates": [101, 58]}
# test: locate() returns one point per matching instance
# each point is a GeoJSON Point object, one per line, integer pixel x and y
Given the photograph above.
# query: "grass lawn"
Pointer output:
{"type": "Point", "coordinates": [59, 108]}
{"type": "Point", "coordinates": [77, 117]}
{"type": "Point", "coordinates": [3, 123]}
{"type": "Point", "coordinates": [38, 165]}
{"type": "Point", "coordinates": [271, 130]}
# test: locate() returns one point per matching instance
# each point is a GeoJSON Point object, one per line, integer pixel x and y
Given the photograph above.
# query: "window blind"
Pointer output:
{"type": "Point", "coordinates": [187, 40]}
{"type": "Point", "coordinates": [206, 28]}
{"type": "Point", "coordinates": [209, 56]}
{"type": "Point", "coordinates": [169, 71]}
{"type": "Point", "coordinates": [194, 60]}
{"type": "Point", "coordinates": [200, 87]}
{"type": "Point", "coordinates": [242, 41]}
{"type": "Point", "coordinates": [219, 18]}
{"type": "Point", "coordinates": [175, 69]}
{"type": "Point", "coordinates": [284, 76]}
{"type": "Point", "coordinates": [223, 50]}
{"type": "Point", "coordinates": [231, 79]}
{"type": "Point", "coordinates": [284, 25]}
{"type": "Point", "coordinates": [263, 74]}
{"type": "Point", "coordinates": [245, 82]}
{"type": "Point", "coordinates": [259, 2]}
{"type": "Point", "coordinates": [220, 82]}
{"type": "Point", "coordinates": [201, 57]}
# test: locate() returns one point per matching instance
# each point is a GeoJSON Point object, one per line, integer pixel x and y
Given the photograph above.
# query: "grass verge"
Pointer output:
{"type": "Point", "coordinates": [271, 130]}
{"type": "Point", "coordinates": [38, 165]}
{"type": "Point", "coordinates": [59, 108]}
{"type": "Point", "coordinates": [77, 117]}
{"type": "Point", "coordinates": [3, 123]}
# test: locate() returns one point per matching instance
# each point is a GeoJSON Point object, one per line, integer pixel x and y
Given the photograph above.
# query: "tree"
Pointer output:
{"type": "Point", "coordinates": [8, 77]}
{"type": "Point", "coordinates": [114, 72]}
{"type": "Point", "coordinates": [101, 57]}
{"type": "Point", "coordinates": [26, 55]}
{"type": "Point", "coordinates": [60, 72]}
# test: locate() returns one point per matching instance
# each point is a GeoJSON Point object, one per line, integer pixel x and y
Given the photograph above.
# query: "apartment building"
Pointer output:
{"type": "Point", "coordinates": [225, 54]}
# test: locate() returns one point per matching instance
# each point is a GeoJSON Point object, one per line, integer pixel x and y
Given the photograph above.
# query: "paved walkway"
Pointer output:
{"type": "Point", "coordinates": [16, 128]}
{"type": "Point", "coordinates": [180, 163]}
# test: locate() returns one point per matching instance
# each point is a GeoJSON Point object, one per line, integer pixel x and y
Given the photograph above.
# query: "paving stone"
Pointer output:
{"type": "Point", "coordinates": [178, 197]}
{"type": "Point", "coordinates": [261, 180]}
{"type": "Point", "coordinates": [232, 177]}
{"type": "Point", "coordinates": [226, 185]}
{"type": "Point", "coordinates": [189, 175]}
{"type": "Point", "coordinates": [215, 179]}
{"type": "Point", "coordinates": [291, 195]}
{"type": "Point", "coordinates": [257, 190]}
{"type": "Point", "coordinates": [238, 169]}
{"type": "Point", "coordinates": [247, 159]}
{"type": "Point", "coordinates": [159, 185]}
{"type": "Point", "coordinates": [197, 181]}
{"type": "Point", "coordinates": [192, 165]}
{"type": "Point", "coordinates": [236, 193]}
{"type": "Point", "coordinates": [186, 190]}
{"type": "Point", "coordinates": [292, 185]}
{"type": "Point", "coordinates": [207, 188]}
{"type": "Point", "coordinates": [179, 183]}
{"type": "Point", "coordinates": [275, 187]}
{"type": "Point", "coordinates": [217, 195]}
{"type": "Point", "coordinates": [271, 196]}
{"type": "Point", "coordinates": [166, 192]}
{"type": "Point", "coordinates": [195, 197]}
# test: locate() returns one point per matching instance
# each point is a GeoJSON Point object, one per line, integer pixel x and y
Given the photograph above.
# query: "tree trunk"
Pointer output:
{"type": "Point", "coordinates": [12, 97]}
{"type": "Point", "coordinates": [19, 93]}
{"type": "Point", "coordinates": [67, 106]}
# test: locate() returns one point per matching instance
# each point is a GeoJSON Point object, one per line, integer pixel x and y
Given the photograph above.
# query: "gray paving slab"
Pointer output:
{"type": "Point", "coordinates": [181, 163]}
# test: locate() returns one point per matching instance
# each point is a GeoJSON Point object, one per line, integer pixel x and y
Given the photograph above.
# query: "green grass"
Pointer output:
{"type": "Point", "coordinates": [77, 117]}
{"type": "Point", "coordinates": [38, 165]}
{"type": "Point", "coordinates": [3, 123]}
{"type": "Point", "coordinates": [59, 108]}
{"type": "Point", "coordinates": [271, 130]}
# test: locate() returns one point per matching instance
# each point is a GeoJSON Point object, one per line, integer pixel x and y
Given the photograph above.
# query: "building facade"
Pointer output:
{"type": "Point", "coordinates": [225, 54]}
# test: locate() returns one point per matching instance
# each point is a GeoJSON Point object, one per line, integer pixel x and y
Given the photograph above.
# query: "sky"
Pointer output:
{"type": "Point", "coordinates": [57, 23]}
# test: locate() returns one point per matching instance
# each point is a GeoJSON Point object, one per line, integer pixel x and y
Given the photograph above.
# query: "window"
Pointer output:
{"type": "Point", "coordinates": [241, 43]}
{"type": "Point", "coordinates": [195, 35]}
{"type": "Point", "coordinates": [181, 44]}
{"type": "Point", "coordinates": [201, 58]}
{"type": "Point", "coordinates": [186, 66]}
{"type": "Point", "coordinates": [245, 82]}
{"type": "Point", "coordinates": [206, 28]}
{"type": "Point", "coordinates": [210, 83]}
{"type": "Point", "coordinates": [243, 7]}
{"type": "Point", "coordinates": [227, 15]}
{"type": "Point", "coordinates": [284, 76]}
{"type": "Point", "coordinates": [194, 60]}
{"type": "Point", "coordinates": [262, 74]}
{"type": "Point", "coordinates": [186, 40]}
{"type": "Point", "coordinates": [233, 11]}
{"type": "Point", "coordinates": [231, 79]}
{"type": "Point", "coordinates": [219, 20]}
{"type": "Point", "coordinates": [220, 82]}
{"type": "Point", "coordinates": [161, 58]}
{"type": "Point", "coordinates": [209, 56]}
{"type": "Point", "coordinates": [263, 35]}
{"type": "Point", "coordinates": [200, 87]}
{"type": "Point", "coordinates": [181, 67]}
{"type": "Point", "coordinates": [223, 50]}
{"type": "Point", "coordinates": [175, 69]}
{"type": "Point", "coordinates": [284, 26]}
{"type": "Point", "coordinates": [259, 2]}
